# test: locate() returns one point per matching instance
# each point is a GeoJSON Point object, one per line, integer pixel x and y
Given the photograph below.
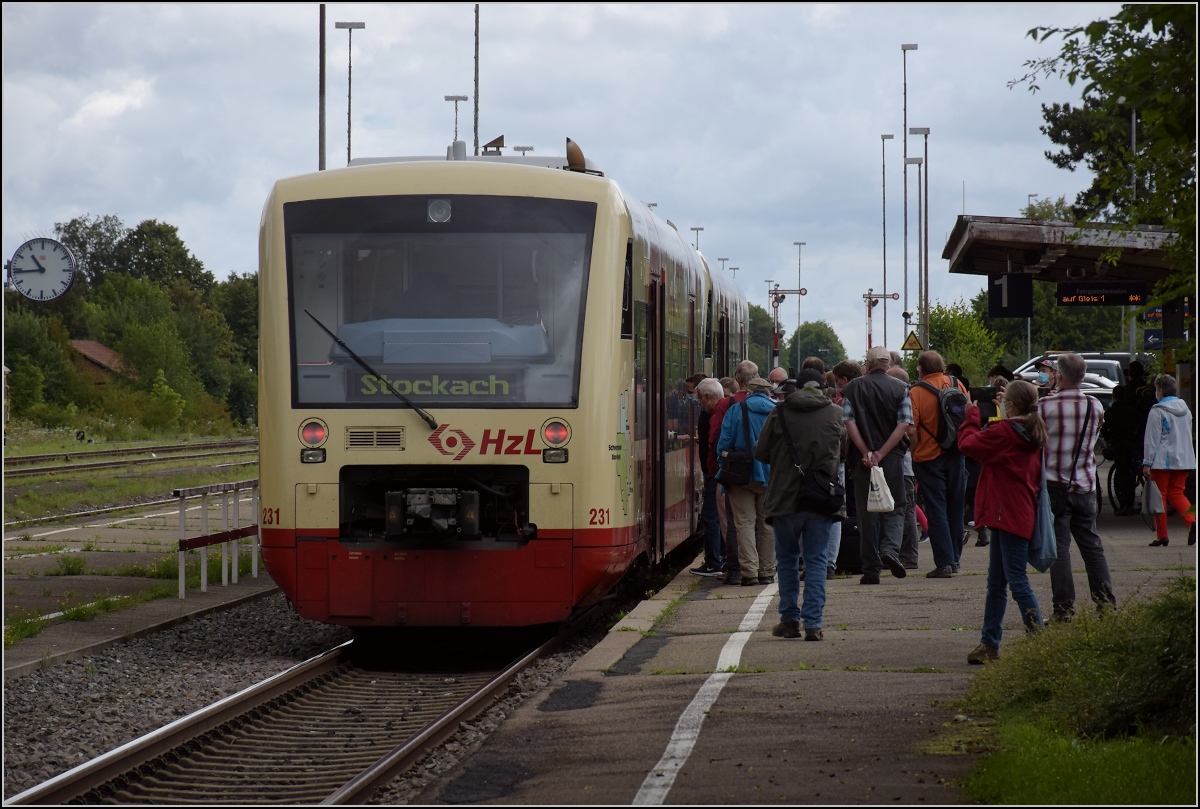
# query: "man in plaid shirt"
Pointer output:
{"type": "Point", "coordinates": [1073, 421]}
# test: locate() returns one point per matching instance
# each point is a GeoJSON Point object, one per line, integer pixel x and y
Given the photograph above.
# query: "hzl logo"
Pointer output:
{"type": "Point", "coordinates": [449, 444]}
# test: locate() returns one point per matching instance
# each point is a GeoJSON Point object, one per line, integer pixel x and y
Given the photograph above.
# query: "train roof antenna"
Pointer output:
{"type": "Point", "coordinates": [430, 420]}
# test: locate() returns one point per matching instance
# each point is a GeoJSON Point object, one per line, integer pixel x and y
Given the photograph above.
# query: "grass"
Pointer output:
{"type": "Point", "coordinates": [99, 491]}
{"type": "Point", "coordinates": [21, 625]}
{"type": "Point", "coordinates": [1038, 766]}
{"type": "Point", "coordinates": [1101, 710]}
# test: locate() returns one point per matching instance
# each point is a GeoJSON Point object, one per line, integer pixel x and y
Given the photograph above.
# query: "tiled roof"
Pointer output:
{"type": "Point", "coordinates": [98, 353]}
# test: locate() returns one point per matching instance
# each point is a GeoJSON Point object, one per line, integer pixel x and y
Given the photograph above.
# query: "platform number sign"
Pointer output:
{"type": "Point", "coordinates": [1010, 295]}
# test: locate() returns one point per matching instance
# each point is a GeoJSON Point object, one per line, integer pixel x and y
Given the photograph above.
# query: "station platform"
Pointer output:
{"type": "Point", "coordinates": [691, 700]}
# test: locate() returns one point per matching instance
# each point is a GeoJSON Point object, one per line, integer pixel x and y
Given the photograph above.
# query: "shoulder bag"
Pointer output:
{"type": "Point", "coordinates": [1043, 545]}
{"type": "Point", "coordinates": [819, 492]}
{"type": "Point", "coordinates": [737, 465]}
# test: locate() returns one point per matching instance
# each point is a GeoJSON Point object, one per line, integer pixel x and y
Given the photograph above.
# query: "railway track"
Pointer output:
{"type": "Point", "coordinates": [33, 465]}
{"type": "Point", "coordinates": [325, 731]}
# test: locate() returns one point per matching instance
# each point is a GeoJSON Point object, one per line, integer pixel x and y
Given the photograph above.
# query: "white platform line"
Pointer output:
{"type": "Point", "coordinates": [687, 730]}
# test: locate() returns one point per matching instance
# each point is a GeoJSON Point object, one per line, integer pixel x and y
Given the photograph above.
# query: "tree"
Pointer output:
{"type": "Point", "coordinates": [1057, 210]}
{"type": "Point", "coordinates": [957, 334]}
{"type": "Point", "coordinates": [817, 339]}
{"type": "Point", "coordinates": [153, 251]}
{"type": "Point", "coordinates": [93, 241]}
{"type": "Point", "coordinates": [237, 300]}
{"type": "Point", "coordinates": [1052, 327]}
{"type": "Point", "coordinates": [762, 338]}
{"type": "Point", "coordinates": [1140, 62]}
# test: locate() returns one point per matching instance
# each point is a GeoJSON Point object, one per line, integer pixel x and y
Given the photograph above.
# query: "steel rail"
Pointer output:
{"type": "Point", "coordinates": [359, 788]}
{"type": "Point", "coordinates": [90, 467]}
{"type": "Point", "coordinates": [23, 460]}
{"type": "Point", "coordinates": [75, 782]}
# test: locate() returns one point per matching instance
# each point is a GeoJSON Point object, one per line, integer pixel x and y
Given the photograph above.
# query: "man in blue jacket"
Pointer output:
{"type": "Point", "coordinates": [756, 544]}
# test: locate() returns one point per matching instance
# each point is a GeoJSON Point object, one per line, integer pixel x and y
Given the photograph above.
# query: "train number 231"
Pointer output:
{"type": "Point", "coordinates": [600, 516]}
{"type": "Point", "coordinates": [270, 516]}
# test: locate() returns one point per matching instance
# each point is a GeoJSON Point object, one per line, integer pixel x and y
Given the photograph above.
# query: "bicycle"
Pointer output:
{"type": "Point", "coordinates": [1139, 501]}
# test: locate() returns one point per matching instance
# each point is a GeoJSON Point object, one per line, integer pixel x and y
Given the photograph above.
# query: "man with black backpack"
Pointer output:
{"type": "Point", "coordinates": [938, 405]}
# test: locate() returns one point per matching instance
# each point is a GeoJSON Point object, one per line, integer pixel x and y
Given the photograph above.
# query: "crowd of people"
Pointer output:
{"type": "Point", "coordinates": [784, 458]}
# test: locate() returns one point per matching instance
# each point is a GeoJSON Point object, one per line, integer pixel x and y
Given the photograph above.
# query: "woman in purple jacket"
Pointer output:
{"type": "Point", "coordinates": [1010, 451]}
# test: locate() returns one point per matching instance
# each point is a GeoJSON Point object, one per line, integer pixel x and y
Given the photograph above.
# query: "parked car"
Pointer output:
{"type": "Point", "coordinates": [1111, 365]}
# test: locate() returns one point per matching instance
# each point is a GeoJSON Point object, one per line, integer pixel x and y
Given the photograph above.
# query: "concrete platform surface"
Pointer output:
{"type": "Point", "coordinates": [656, 714]}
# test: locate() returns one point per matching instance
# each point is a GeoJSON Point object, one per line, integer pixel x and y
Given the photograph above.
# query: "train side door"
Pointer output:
{"type": "Point", "coordinates": [656, 445]}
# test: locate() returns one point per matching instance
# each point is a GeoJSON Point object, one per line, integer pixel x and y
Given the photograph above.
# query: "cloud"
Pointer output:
{"type": "Point", "coordinates": [104, 105]}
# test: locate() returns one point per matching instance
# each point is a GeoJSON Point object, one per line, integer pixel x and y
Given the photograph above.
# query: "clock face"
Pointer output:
{"type": "Point", "coordinates": [42, 269]}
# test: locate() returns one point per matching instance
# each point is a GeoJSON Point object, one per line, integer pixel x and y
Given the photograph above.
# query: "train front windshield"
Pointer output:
{"type": "Point", "coordinates": [449, 300]}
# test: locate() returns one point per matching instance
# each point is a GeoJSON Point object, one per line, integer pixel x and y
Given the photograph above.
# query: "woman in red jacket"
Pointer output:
{"type": "Point", "coordinates": [1010, 450]}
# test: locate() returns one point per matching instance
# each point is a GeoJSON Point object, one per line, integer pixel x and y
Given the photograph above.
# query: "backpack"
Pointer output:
{"type": "Point", "coordinates": [952, 406]}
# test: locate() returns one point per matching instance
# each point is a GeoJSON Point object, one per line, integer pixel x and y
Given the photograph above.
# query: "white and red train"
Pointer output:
{"type": "Point", "coordinates": [471, 388]}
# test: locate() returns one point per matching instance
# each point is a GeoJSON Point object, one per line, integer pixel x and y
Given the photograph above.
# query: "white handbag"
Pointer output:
{"type": "Point", "coordinates": [879, 499]}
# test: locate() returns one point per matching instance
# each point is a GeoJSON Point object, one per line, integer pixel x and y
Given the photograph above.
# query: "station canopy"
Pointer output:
{"type": "Point", "coordinates": [1055, 251]}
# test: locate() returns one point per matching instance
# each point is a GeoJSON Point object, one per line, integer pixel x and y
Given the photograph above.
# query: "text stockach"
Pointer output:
{"type": "Point", "coordinates": [434, 386]}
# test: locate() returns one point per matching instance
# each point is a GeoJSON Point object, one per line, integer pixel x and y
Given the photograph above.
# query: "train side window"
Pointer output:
{"type": "Point", "coordinates": [627, 295]}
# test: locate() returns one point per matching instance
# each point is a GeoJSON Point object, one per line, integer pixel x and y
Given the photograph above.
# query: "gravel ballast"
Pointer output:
{"type": "Point", "coordinates": [60, 717]}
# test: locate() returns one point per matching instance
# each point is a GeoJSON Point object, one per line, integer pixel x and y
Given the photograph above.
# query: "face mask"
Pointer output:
{"type": "Point", "coordinates": [1043, 379]}
{"type": "Point", "coordinates": [693, 398]}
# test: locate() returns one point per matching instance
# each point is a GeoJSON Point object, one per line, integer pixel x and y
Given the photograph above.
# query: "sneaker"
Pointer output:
{"type": "Point", "coordinates": [943, 572]}
{"type": "Point", "coordinates": [954, 568]}
{"type": "Point", "coordinates": [829, 572]}
{"type": "Point", "coordinates": [749, 582]}
{"type": "Point", "coordinates": [893, 564]}
{"type": "Point", "coordinates": [786, 629]}
{"type": "Point", "coordinates": [982, 654]}
{"type": "Point", "coordinates": [924, 537]}
{"type": "Point", "coordinates": [813, 633]}
{"type": "Point", "coordinates": [869, 578]}
{"type": "Point", "coordinates": [766, 579]}
{"type": "Point", "coordinates": [734, 578]}
{"type": "Point", "coordinates": [981, 540]}
{"type": "Point", "coordinates": [705, 570]}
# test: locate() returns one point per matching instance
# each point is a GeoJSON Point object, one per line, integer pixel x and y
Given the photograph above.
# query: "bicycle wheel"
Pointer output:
{"type": "Point", "coordinates": [1112, 492]}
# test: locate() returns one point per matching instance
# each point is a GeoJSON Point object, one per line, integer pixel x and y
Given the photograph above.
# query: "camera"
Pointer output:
{"type": "Point", "coordinates": [986, 393]}
{"type": "Point", "coordinates": [985, 398]}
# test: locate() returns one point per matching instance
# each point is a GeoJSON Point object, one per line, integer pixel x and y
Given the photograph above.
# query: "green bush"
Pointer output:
{"type": "Point", "coordinates": [1119, 673]}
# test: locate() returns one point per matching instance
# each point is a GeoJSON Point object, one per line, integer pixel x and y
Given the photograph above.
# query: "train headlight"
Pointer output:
{"type": "Point", "coordinates": [439, 210]}
{"type": "Point", "coordinates": [313, 432]}
{"type": "Point", "coordinates": [556, 433]}
{"type": "Point", "coordinates": [312, 456]}
{"type": "Point", "coordinates": [554, 456]}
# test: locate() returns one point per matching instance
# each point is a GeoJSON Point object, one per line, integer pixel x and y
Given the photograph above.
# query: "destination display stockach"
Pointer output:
{"type": "Point", "coordinates": [491, 386]}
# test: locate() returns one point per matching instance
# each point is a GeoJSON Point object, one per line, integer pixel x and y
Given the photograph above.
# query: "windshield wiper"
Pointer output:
{"type": "Point", "coordinates": [430, 420]}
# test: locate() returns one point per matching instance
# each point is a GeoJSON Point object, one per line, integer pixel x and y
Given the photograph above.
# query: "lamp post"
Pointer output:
{"type": "Point", "coordinates": [456, 99]}
{"type": "Point", "coordinates": [1029, 198]}
{"type": "Point", "coordinates": [904, 49]}
{"type": "Point", "coordinates": [734, 270]}
{"type": "Point", "coordinates": [522, 149]}
{"type": "Point", "coordinates": [924, 131]}
{"type": "Point", "coordinates": [722, 260]}
{"type": "Point", "coordinates": [799, 285]}
{"type": "Point", "coordinates": [917, 161]}
{"type": "Point", "coordinates": [350, 27]}
{"type": "Point", "coordinates": [321, 94]}
{"type": "Point", "coordinates": [697, 231]}
{"type": "Point", "coordinates": [883, 139]}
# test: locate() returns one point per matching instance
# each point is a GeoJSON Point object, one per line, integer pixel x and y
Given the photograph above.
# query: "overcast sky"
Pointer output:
{"type": "Point", "coordinates": [759, 123]}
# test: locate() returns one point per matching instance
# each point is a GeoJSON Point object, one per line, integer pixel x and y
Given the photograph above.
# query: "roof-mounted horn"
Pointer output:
{"type": "Point", "coordinates": [575, 159]}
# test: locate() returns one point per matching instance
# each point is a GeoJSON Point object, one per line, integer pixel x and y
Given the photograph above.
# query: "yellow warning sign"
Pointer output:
{"type": "Point", "coordinates": [912, 343]}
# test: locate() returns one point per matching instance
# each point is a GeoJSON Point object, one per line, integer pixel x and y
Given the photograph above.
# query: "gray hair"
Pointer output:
{"type": "Point", "coordinates": [1167, 385]}
{"type": "Point", "coordinates": [898, 372]}
{"type": "Point", "coordinates": [710, 387]}
{"type": "Point", "coordinates": [1071, 368]}
{"type": "Point", "coordinates": [746, 370]}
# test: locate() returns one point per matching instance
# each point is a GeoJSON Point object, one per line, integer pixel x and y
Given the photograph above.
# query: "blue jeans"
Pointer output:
{"type": "Point", "coordinates": [791, 531]}
{"type": "Point", "coordinates": [943, 483]}
{"type": "Point", "coordinates": [1006, 571]}
{"type": "Point", "coordinates": [714, 554]}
